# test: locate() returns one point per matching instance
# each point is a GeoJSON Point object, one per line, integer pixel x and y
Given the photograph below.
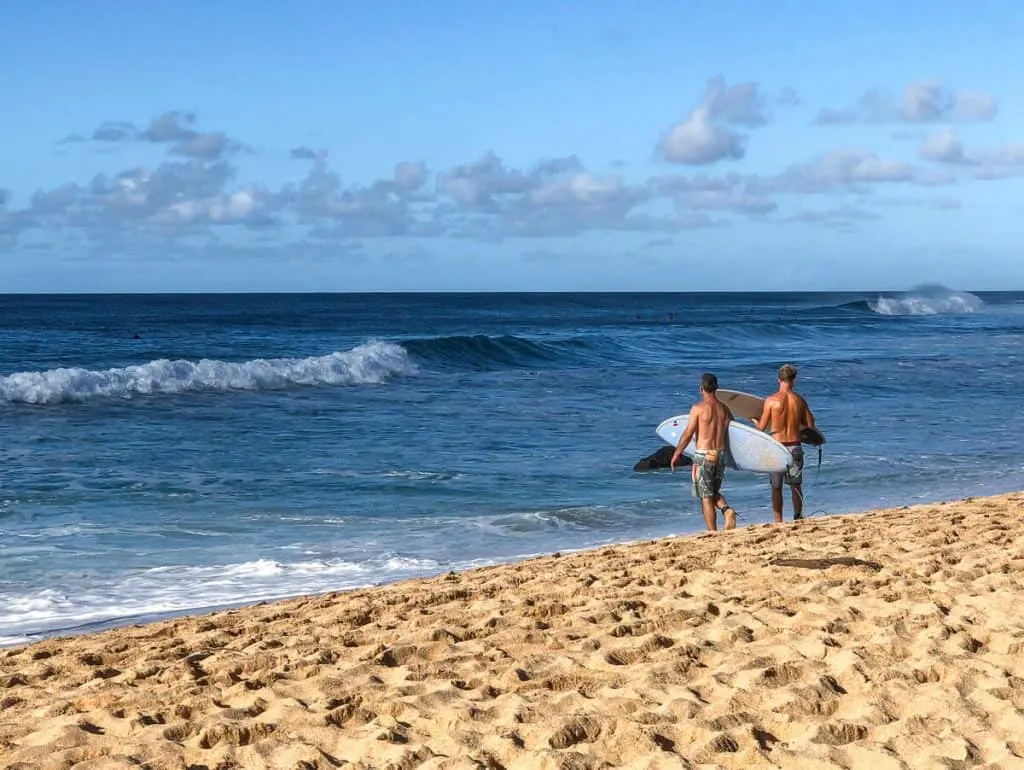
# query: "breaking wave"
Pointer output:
{"type": "Point", "coordinates": [371, 363]}
{"type": "Point", "coordinates": [927, 300]}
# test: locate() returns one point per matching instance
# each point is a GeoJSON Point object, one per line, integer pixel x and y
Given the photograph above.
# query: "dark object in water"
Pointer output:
{"type": "Point", "coordinates": [661, 459]}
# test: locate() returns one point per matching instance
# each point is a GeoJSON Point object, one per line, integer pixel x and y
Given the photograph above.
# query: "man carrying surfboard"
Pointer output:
{"type": "Point", "coordinates": [785, 414]}
{"type": "Point", "coordinates": [709, 421]}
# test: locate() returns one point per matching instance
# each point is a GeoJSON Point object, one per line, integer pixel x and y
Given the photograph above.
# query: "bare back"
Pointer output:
{"type": "Point", "coordinates": [712, 419]}
{"type": "Point", "coordinates": [787, 413]}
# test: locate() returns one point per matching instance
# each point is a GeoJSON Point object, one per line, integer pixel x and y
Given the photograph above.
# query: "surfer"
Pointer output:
{"type": "Point", "coordinates": [784, 414]}
{"type": "Point", "coordinates": [709, 420]}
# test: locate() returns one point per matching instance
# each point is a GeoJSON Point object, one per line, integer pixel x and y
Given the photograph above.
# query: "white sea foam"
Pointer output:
{"type": "Point", "coordinates": [928, 300]}
{"type": "Point", "coordinates": [175, 589]}
{"type": "Point", "coordinates": [371, 363]}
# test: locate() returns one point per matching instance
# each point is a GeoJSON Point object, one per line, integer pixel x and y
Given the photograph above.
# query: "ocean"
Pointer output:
{"type": "Point", "coordinates": [176, 453]}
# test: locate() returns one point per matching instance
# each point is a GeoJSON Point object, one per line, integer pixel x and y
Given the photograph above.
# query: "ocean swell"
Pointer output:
{"type": "Point", "coordinates": [482, 351]}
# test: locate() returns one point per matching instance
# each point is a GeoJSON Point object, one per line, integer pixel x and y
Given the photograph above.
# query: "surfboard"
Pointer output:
{"type": "Point", "coordinates": [749, 448]}
{"type": "Point", "coordinates": [748, 407]}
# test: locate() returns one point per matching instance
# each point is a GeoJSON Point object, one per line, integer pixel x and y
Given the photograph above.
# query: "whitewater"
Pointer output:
{"type": "Point", "coordinates": [371, 363]}
{"type": "Point", "coordinates": [167, 454]}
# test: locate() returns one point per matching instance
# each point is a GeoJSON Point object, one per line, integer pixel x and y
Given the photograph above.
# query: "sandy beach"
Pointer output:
{"type": "Point", "coordinates": [891, 639]}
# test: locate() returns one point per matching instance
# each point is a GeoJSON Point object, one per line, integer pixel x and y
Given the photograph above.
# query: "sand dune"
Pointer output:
{"type": "Point", "coordinates": [893, 639]}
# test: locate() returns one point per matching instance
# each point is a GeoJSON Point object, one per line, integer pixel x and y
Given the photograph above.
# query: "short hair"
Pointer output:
{"type": "Point", "coordinates": [708, 382]}
{"type": "Point", "coordinates": [787, 373]}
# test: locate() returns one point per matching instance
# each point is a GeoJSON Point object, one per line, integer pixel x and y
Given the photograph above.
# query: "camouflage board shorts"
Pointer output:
{"type": "Point", "coordinates": [708, 472]}
{"type": "Point", "coordinates": [794, 475]}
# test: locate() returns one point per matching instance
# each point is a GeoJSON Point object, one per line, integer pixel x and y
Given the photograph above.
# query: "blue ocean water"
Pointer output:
{"type": "Point", "coordinates": [248, 447]}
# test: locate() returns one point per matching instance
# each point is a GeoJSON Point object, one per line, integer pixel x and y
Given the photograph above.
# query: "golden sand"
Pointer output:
{"type": "Point", "coordinates": [893, 639]}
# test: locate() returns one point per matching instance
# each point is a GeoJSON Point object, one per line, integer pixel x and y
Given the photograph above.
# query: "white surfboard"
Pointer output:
{"type": "Point", "coordinates": [747, 406]}
{"type": "Point", "coordinates": [749, 448]}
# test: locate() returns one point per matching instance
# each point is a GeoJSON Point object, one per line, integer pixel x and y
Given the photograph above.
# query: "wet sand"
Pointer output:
{"type": "Point", "coordinates": [891, 639]}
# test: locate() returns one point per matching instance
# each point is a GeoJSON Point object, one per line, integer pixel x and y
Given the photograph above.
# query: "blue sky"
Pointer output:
{"type": "Point", "coordinates": [510, 146]}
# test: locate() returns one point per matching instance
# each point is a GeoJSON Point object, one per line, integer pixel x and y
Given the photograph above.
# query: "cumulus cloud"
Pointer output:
{"type": "Point", "coordinates": [704, 136]}
{"type": "Point", "coordinates": [171, 126]}
{"type": "Point", "coordinates": [741, 104]}
{"type": "Point", "coordinates": [928, 101]}
{"type": "Point", "coordinates": [946, 147]}
{"type": "Point", "coordinates": [410, 176]}
{"type": "Point", "coordinates": [576, 201]}
{"type": "Point", "coordinates": [841, 170]}
{"type": "Point", "coordinates": [974, 105]}
{"type": "Point", "coordinates": [479, 185]}
{"type": "Point", "coordinates": [382, 209]}
{"type": "Point", "coordinates": [210, 145]}
{"type": "Point", "coordinates": [197, 192]}
{"type": "Point", "coordinates": [698, 140]}
{"type": "Point", "coordinates": [239, 207]}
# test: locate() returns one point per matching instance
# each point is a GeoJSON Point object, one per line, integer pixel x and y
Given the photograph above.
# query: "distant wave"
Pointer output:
{"type": "Point", "coordinates": [923, 301]}
{"type": "Point", "coordinates": [481, 351]}
{"type": "Point", "coordinates": [371, 363]}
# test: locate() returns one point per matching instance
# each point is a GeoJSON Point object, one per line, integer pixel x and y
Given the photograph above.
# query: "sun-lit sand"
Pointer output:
{"type": "Point", "coordinates": [893, 639]}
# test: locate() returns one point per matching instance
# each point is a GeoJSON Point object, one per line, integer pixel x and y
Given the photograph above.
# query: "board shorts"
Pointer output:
{"type": "Point", "coordinates": [794, 475]}
{"type": "Point", "coordinates": [708, 472]}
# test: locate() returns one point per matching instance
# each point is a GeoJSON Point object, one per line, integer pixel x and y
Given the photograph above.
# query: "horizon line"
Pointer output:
{"type": "Point", "coordinates": [464, 292]}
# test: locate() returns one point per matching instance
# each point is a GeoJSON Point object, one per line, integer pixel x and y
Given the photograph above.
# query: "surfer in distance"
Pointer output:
{"type": "Point", "coordinates": [709, 421]}
{"type": "Point", "coordinates": [784, 414]}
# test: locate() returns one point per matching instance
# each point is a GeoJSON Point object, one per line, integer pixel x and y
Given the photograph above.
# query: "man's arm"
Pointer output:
{"type": "Point", "coordinates": [688, 432]}
{"type": "Point", "coordinates": [762, 422]}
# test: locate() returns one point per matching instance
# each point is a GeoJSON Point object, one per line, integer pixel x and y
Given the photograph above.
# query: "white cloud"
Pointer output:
{"type": "Point", "coordinates": [196, 191]}
{"type": "Point", "coordinates": [704, 136]}
{"type": "Point", "coordinates": [944, 146]}
{"type": "Point", "coordinates": [927, 101]}
{"type": "Point", "coordinates": [698, 140]}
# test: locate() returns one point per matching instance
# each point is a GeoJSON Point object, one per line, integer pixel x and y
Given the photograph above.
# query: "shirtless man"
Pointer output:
{"type": "Point", "coordinates": [784, 414]}
{"type": "Point", "coordinates": [709, 420]}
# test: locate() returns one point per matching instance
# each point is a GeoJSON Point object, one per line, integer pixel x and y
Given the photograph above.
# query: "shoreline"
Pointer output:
{"type": "Point", "coordinates": [882, 636]}
{"type": "Point", "coordinates": [90, 627]}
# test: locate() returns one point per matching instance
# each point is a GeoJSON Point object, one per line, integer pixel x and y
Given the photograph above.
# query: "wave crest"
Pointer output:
{"type": "Point", "coordinates": [371, 363]}
{"type": "Point", "coordinates": [928, 300]}
{"type": "Point", "coordinates": [482, 351]}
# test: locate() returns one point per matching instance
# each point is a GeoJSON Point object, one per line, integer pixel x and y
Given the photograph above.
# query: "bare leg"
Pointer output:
{"type": "Point", "coordinates": [707, 506]}
{"type": "Point", "coordinates": [798, 501]}
{"type": "Point", "coordinates": [727, 512]}
{"type": "Point", "coordinates": [777, 504]}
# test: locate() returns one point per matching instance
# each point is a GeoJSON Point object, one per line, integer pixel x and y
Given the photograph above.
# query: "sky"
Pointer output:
{"type": "Point", "coordinates": [528, 146]}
